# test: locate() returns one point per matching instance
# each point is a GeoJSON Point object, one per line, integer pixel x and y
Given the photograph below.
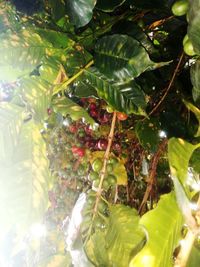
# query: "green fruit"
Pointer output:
{"type": "Point", "coordinates": [106, 185]}
{"type": "Point", "coordinates": [96, 183]}
{"type": "Point", "coordinates": [109, 167]}
{"type": "Point", "coordinates": [112, 180]}
{"type": "Point", "coordinates": [93, 176]}
{"type": "Point", "coordinates": [180, 7]}
{"type": "Point", "coordinates": [188, 48]}
{"type": "Point", "coordinates": [102, 206]}
{"type": "Point", "coordinates": [97, 165]}
{"type": "Point", "coordinates": [113, 161]}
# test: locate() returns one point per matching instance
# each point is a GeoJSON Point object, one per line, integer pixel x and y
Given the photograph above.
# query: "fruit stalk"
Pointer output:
{"type": "Point", "coordinates": [106, 157]}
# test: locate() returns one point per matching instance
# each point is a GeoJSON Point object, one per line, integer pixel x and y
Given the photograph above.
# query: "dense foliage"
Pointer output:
{"type": "Point", "coordinates": [99, 137]}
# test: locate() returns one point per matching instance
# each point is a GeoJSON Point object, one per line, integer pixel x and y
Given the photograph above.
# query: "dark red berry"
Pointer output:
{"type": "Point", "coordinates": [49, 111]}
{"type": "Point", "coordinates": [92, 106]}
{"type": "Point", "coordinates": [102, 144]}
{"type": "Point", "coordinates": [116, 147]}
{"type": "Point", "coordinates": [94, 113]}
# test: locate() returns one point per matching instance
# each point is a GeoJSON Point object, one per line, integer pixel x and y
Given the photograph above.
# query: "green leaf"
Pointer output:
{"type": "Point", "coordinates": [147, 133]}
{"type": "Point", "coordinates": [25, 181]}
{"type": "Point", "coordinates": [37, 95]}
{"type": "Point", "coordinates": [109, 6]}
{"type": "Point", "coordinates": [11, 120]}
{"type": "Point", "coordinates": [193, 25]}
{"type": "Point", "coordinates": [163, 226]}
{"type": "Point", "coordinates": [26, 49]}
{"type": "Point", "coordinates": [128, 98]}
{"type": "Point", "coordinates": [194, 257]}
{"type": "Point", "coordinates": [124, 236]}
{"type": "Point", "coordinates": [196, 112]}
{"type": "Point", "coordinates": [80, 11]}
{"type": "Point", "coordinates": [66, 106]}
{"type": "Point", "coordinates": [122, 58]}
{"type": "Point", "coordinates": [195, 78]}
{"type": "Point", "coordinates": [179, 154]}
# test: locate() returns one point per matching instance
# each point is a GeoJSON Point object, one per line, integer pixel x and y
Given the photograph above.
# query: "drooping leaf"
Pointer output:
{"type": "Point", "coordinates": [109, 6]}
{"type": "Point", "coordinates": [66, 106]}
{"type": "Point", "coordinates": [163, 227]}
{"type": "Point", "coordinates": [195, 78]}
{"type": "Point", "coordinates": [25, 181]}
{"type": "Point", "coordinates": [127, 98]}
{"type": "Point", "coordinates": [122, 58]}
{"type": "Point", "coordinates": [80, 11]}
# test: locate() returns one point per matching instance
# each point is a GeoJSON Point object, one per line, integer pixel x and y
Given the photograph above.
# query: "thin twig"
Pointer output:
{"type": "Point", "coordinates": [169, 85]}
{"type": "Point", "coordinates": [151, 179]}
{"type": "Point", "coordinates": [158, 23]}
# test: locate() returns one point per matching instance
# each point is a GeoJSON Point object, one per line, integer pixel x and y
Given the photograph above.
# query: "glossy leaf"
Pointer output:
{"type": "Point", "coordinates": [66, 106]}
{"type": "Point", "coordinates": [195, 78]}
{"type": "Point", "coordinates": [163, 227]}
{"type": "Point", "coordinates": [109, 6]}
{"type": "Point", "coordinates": [80, 11]}
{"type": "Point", "coordinates": [122, 58]}
{"type": "Point", "coordinates": [127, 98]}
{"type": "Point", "coordinates": [193, 26]}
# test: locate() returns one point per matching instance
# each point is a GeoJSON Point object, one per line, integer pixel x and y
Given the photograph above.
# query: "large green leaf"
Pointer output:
{"type": "Point", "coordinates": [26, 49]}
{"type": "Point", "coordinates": [115, 245]}
{"type": "Point", "coordinates": [109, 6]}
{"type": "Point", "coordinates": [11, 119]}
{"type": "Point", "coordinates": [128, 97]}
{"type": "Point", "coordinates": [25, 181]}
{"type": "Point", "coordinates": [196, 112]}
{"type": "Point", "coordinates": [193, 26]}
{"type": "Point", "coordinates": [194, 257]}
{"type": "Point", "coordinates": [122, 58]}
{"type": "Point", "coordinates": [195, 78]}
{"type": "Point", "coordinates": [179, 154]}
{"type": "Point", "coordinates": [66, 106]}
{"type": "Point", "coordinates": [80, 11]}
{"type": "Point", "coordinates": [37, 95]}
{"type": "Point", "coordinates": [124, 236]}
{"type": "Point", "coordinates": [163, 226]}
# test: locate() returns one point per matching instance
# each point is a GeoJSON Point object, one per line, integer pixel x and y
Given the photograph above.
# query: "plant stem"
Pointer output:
{"type": "Point", "coordinates": [169, 86]}
{"type": "Point", "coordinates": [151, 179]}
{"type": "Point", "coordinates": [103, 171]}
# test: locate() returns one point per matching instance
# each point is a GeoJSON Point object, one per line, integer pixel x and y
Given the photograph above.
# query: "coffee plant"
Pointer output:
{"type": "Point", "coordinates": [100, 133]}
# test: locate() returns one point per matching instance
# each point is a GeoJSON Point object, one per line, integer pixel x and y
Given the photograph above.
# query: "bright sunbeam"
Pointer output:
{"type": "Point", "coordinates": [38, 231]}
